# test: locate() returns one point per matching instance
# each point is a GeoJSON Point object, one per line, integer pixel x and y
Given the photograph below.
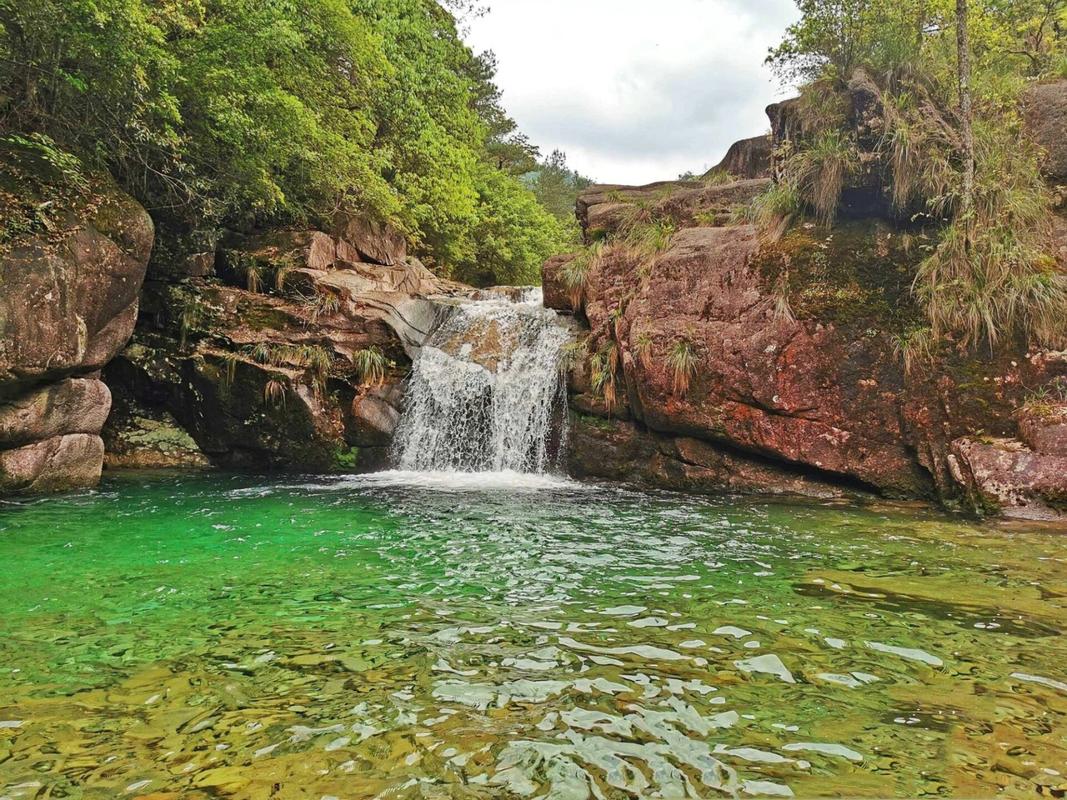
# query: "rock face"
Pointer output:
{"type": "Point", "coordinates": [68, 305]}
{"type": "Point", "coordinates": [723, 361]}
{"type": "Point", "coordinates": [1002, 475]}
{"type": "Point", "coordinates": [747, 158]}
{"type": "Point", "coordinates": [290, 359]}
{"type": "Point", "coordinates": [1045, 110]}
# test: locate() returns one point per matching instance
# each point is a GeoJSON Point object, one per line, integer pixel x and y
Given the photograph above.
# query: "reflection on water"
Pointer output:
{"type": "Point", "coordinates": [370, 638]}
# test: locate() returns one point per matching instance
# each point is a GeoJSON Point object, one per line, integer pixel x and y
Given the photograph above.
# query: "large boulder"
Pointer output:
{"type": "Point", "coordinates": [375, 241]}
{"type": "Point", "coordinates": [1045, 113]}
{"type": "Point", "coordinates": [58, 464]}
{"type": "Point", "coordinates": [747, 158]}
{"type": "Point", "coordinates": [783, 356]}
{"type": "Point", "coordinates": [1004, 476]}
{"type": "Point", "coordinates": [71, 273]}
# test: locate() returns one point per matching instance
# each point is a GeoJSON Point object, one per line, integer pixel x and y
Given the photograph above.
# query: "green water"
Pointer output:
{"type": "Point", "coordinates": [234, 637]}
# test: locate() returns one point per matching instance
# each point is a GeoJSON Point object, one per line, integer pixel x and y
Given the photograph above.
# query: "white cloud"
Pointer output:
{"type": "Point", "coordinates": [632, 90]}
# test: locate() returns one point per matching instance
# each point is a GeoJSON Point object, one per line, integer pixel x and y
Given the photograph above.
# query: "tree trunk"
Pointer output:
{"type": "Point", "coordinates": [963, 71]}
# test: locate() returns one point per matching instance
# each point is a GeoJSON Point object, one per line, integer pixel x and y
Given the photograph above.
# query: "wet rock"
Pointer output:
{"type": "Point", "coordinates": [620, 450]}
{"type": "Point", "coordinates": [375, 414]}
{"type": "Point", "coordinates": [148, 438]}
{"type": "Point", "coordinates": [1005, 476]}
{"type": "Point", "coordinates": [557, 294]}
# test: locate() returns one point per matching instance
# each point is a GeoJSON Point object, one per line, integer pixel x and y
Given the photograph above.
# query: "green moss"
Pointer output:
{"type": "Point", "coordinates": [43, 189]}
{"type": "Point", "coordinates": [600, 423]}
{"type": "Point", "coordinates": [346, 459]}
{"type": "Point", "coordinates": [857, 273]}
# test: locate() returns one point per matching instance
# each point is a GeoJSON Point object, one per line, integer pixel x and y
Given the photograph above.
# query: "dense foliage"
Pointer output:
{"type": "Point", "coordinates": [557, 187]}
{"type": "Point", "coordinates": [994, 273]}
{"type": "Point", "coordinates": [252, 112]}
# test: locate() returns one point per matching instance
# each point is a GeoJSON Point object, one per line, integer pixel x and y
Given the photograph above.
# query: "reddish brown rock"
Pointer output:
{"type": "Point", "coordinates": [1044, 429]}
{"type": "Point", "coordinates": [71, 283]}
{"type": "Point", "coordinates": [620, 450]}
{"type": "Point", "coordinates": [557, 294]}
{"type": "Point", "coordinates": [68, 306]}
{"type": "Point", "coordinates": [271, 378]}
{"type": "Point", "coordinates": [800, 375]}
{"type": "Point", "coordinates": [1045, 112]}
{"type": "Point", "coordinates": [375, 241]}
{"type": "Point", "coordinates": [1003, 475]}
{"type": "Point", "coordinates": [747, 158]}
{"type": "Point", "coordinates": [58, 464]}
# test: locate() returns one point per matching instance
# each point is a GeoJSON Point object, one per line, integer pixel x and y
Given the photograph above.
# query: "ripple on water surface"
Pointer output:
{"type": "Point", "coordinates": [412, 635]}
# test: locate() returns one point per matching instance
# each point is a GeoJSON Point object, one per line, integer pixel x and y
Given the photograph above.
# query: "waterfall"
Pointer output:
{"type": "Point", "coordinates": [487, 391]}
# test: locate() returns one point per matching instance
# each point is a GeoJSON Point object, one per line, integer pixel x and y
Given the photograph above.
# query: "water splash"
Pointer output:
{"type": "Point", "coordinates": [487, 391]}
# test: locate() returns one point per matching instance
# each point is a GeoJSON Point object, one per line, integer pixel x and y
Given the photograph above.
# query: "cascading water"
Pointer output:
{"type": "Point", "coordinates": [487, 391]}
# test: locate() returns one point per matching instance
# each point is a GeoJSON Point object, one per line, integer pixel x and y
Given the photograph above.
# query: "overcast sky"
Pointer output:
{"type": "Point", "coordinates": [635, 90]}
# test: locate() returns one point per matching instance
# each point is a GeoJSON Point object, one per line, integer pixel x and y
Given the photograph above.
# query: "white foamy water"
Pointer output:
{"type": "Point", "coordinates": [469, 481]}
{"type": "Point", "coordinates": [487, 393]}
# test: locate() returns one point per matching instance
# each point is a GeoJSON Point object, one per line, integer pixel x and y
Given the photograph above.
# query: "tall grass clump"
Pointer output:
{"type": "Point", "coordinates": [372, 365]}
{"type": "Point", "coordinates": [819, 171]}
{"type": "Point", "coordinates": [602, 368]}
{"type": "Point", "coordinates": [575, 273]}
{"type": "Point", "coordinates": [993, 274]}
{"type": "Point", "coordinates": [682, 360]}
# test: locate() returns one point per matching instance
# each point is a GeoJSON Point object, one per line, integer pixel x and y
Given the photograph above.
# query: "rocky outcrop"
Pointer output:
{"type": "Point", "coordinates": [747, 158]}
{"type": "Point", "coordinates": [291, 358]}
{"type": "Point", "coordinates": [71, 280]}
{"type": "Point", "coordinates": [1004, 476]}
{"type": "Point", "coordinates": [1045, 111]}
{"type": "Point", "coordinates": [724, 361]}
{"type": "Point", "coordinates": [604, 210]}
{"type": "Point", "coordinates": [620, 450]}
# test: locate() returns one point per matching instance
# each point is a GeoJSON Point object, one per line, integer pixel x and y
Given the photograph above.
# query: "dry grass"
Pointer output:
{"type": "Point", "coordinates": [682, 361]}
{"type": "Point", "coordinates": [274, 392]}
{"type": "Point", "coordinates": [993, 274]}
{"type": "Point", "coordinates": [372, 365]}
{"type": "Point", "coordinates": [576, 272]}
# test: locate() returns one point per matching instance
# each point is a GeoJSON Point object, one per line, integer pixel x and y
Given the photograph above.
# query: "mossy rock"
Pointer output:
{"type": "Point", "coordinates": [856, 274]}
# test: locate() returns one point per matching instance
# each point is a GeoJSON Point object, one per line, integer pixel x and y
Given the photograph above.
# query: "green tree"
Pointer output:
{"type": "Point", "coordinates": [247, 113]}
{"type": "Point", "coordinates": [556, 186]}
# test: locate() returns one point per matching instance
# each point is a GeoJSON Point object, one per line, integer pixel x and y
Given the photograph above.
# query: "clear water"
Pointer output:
{"type": "Point", "coordinates": [403, 636]}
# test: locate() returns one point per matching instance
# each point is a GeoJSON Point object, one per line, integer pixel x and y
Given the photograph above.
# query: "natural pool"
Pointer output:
{"type": "Point", "coordinates": [378, 637]}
